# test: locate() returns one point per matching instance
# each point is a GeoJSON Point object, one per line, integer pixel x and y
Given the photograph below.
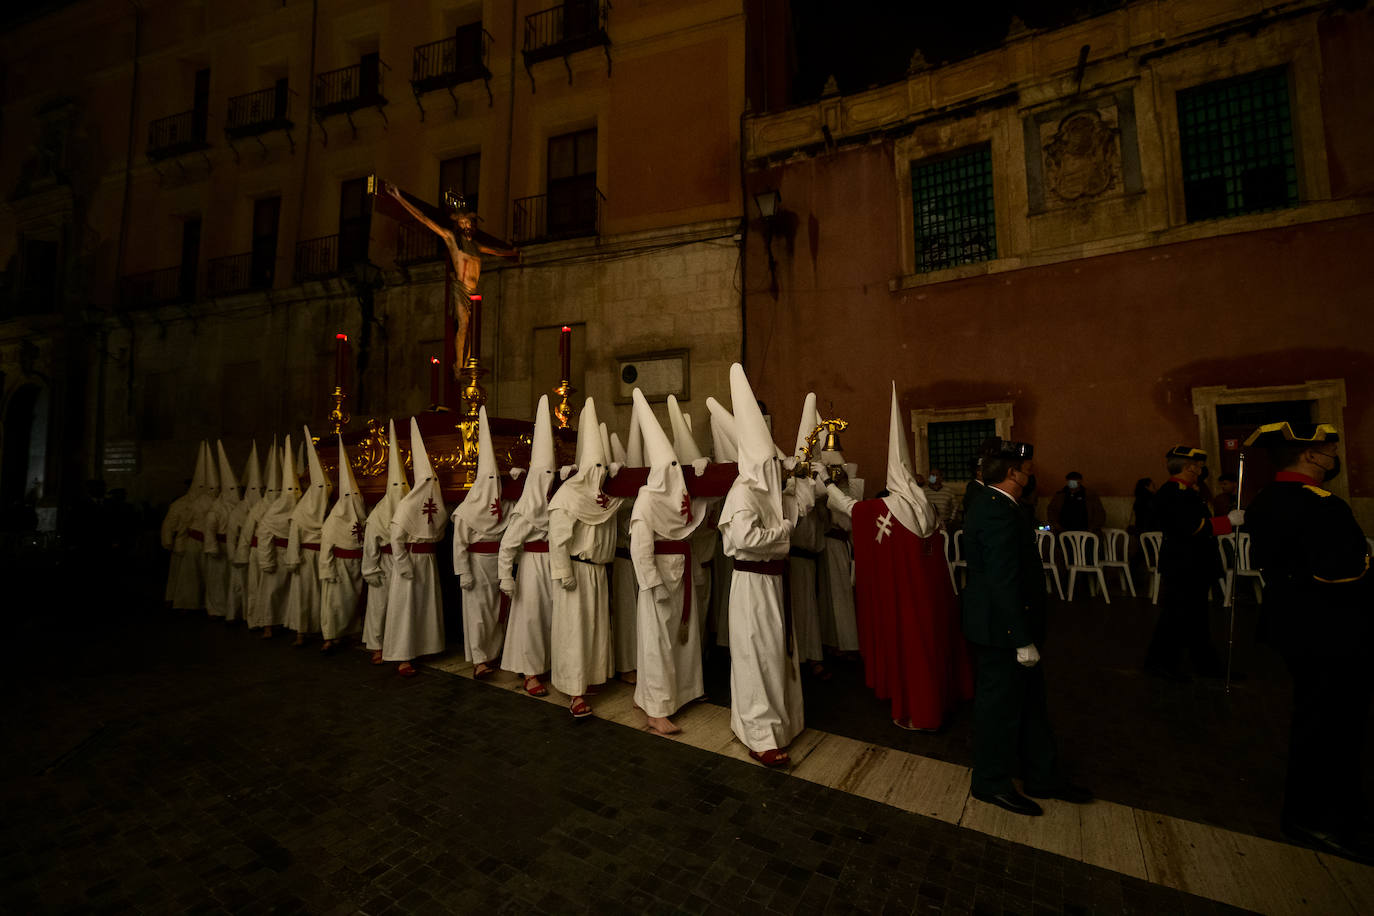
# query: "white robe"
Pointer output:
{"type": "Point", "coordinates": [377, 568]}
{"type": "Point", "coordinates": [189, 592]}
{"type": "Point", "coordinates": [529, 628]}
{"type": "Point", "coordinates": [765, 684]}
{"type": "Point", "coordinates": [274, 580]}
{"type": "Point", "coordinates": [303, 597]}
{"type": "Point", "coordinates": [669, 667]}
{"type": "Point", "coordinates": [839, 623]}
{"type": "Point", "coordinates": [341, 588]}
{"type": "Point", "coordinates": [173, 531]}
{"type": "Point", "coordinates": [236, 607]}
{"type": "Point", "coordinates": [246, 558]}
{"type": "Point", "coordinates": [624, 598]}
{"type": "Point", "coordinates": [582, 652]}
{"type": "Point", "coordinates": [414, 608]}
{"type": "Point", "coordinates": [216, 563]}
{"type": "Point", "coordinates": [808, 536]}
{"type": "Point", "coordinates": [483, 634]}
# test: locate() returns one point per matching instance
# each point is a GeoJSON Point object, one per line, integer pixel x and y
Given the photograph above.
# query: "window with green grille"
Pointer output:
{"type": "Point", "coordinates": [1236, 141]}
{"type": "Point", "coordinates": [954, 445]}
{"type": "Point", "coordinates": [954, 220]}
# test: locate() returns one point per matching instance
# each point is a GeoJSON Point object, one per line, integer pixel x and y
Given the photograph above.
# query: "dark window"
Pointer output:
{"type": "Point", "coordinates": [200, 107]}
{"type": "Point", "coordinates": [266, 214]}
{"type": "Point", "coordinates": [460, 175]}
{"type": "Point", "coordinates": [954, 445]}
{"type": "Point", "coordinates": [355, 222]}
{"type": "Point", "coordinates": [572, 183]}
{"type": "Point", "coordinates": [190, 258]}
{"type": "Point", "coordinates": [370, 76]}
{"type": "Point", "coordinates": [953, 208]}
{"type": "Point", "coordinates": [1236, 144]}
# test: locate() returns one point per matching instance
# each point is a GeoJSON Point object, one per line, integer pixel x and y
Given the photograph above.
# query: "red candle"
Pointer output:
{"type": "Point", "coordinates": [475, 329]}
{"type": "Point", "coordinates": [565, 352]}
{"type": "Point", "coordinates": [340, 358]}
{"type": "Point", "coordinates": [434, 380]}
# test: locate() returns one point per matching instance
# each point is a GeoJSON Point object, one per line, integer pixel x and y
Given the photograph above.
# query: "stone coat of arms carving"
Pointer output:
{"type": "Point", "coordinates": [1082, 156]}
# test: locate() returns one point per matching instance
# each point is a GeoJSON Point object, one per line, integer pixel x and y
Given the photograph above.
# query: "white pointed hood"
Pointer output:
{"type": "Point", "coordinates": [533, 503]}
{"type": "Point", "coordinates": [300, 458]}
{"type": "Point", "coordinates": [810, 419]}
{"type": "Point", "coordinates": [723, 440]}
{"type": "Point", "coordinates": [276, 521]}
{"type": "Point", "coordinates": [617, 450]}
{"type": "Point", "coordinates": [758, 486]}
{"type": "Point", "coordinates": [906, 500]}
{"type": "Point", "coordinates": [211, 473]}
{"type": "Point", "coordinates": [198, 475]}
{"type": "Point", "coordinates": [683, 442]}
{"type": "Point", "coordinates": [272, 489]}
{"type": "Point", "coordinates": [634, 444]}
{"type": "Point", "coordinates": [481, 508]}
{"type": "Point", "coordinates": [310, 512]}
{"type": "Point", "coordinates": [344, 526]}
{"type": "Point", "coordinates": [421, 515]}
{"type": "Point", "coordinates": [581, 495]}
{"type": "Point", "coordinates": [228, 484]}
{"type": "Point", "coordinates": [379, 520]}
{"type": "Point", "coordinates": [663, 502]}
{"type": "Point", "coordinates": [252, 477]}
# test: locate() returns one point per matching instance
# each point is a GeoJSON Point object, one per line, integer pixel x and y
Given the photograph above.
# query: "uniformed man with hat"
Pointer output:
{"type": "Point", "coordinates": [1004, 619]}
{"type": "Point", "coordinates": [1189, 563]}
{"type": "Point", "coordinates": [1320, 603]}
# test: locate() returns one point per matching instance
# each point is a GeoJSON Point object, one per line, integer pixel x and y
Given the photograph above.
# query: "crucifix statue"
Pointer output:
{"type": "Point", "coordinates": [465, 257]}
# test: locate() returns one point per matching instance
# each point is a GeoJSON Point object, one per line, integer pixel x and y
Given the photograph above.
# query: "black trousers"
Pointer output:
{"type": "Point", "coordinates": [1183, 626]}
{"type": "Point", "coordinates": [1331, 698]}
{"type": "Point", "coordinates": [1011, 725]}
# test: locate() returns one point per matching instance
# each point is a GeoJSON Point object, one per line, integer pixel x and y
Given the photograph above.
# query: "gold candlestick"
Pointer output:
{"type": "Point", "coordinates": [338, 417]}
{"type": "Point", "coordinates": [474, 397]}
{"type": "Point", "coordinates": [562, 410]}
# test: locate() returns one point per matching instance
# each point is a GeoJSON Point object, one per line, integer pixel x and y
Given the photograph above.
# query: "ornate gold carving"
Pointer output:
{"type": "Point", "coordinates": [562, 411]}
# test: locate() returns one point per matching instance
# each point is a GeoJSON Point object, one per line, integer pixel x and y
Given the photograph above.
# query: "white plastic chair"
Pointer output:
{"type": "Point", "coordinates": [1044, 542]}
{"type": "Point", "coordinates": [1245, 571]}
{"type": "Point", "coordinates": [1150, 543]}
{"type": "Point", "coordinates": [1076, 546]}
{"type": "Point", "coordinates": [1116, 542]}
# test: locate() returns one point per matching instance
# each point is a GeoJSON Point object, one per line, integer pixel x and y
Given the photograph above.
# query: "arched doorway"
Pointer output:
{"type": "Point", "coordinates": [25, 450]}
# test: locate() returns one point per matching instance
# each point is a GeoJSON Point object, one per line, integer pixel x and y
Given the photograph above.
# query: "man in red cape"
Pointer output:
{"type": "Point", "coordinates": [909, 635]}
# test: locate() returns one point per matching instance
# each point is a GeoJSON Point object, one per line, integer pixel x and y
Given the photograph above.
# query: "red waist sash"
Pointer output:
{"type": "Point", "coordinates": [421, 547]}
{"type": "Point", "coordinates": [311, 546]}
{"type": "Point", "coordinates": [386, 549]}
{"type": "Point", "coordinates": [195, 535]}
{"type": "Point", "coordinates": [344, 553]}
{"type": "Point", "coordinates": [484, 547]}
{"type": "Point", "coordinates": [682, 549]}
{"type": "Point", "coordinates": [536, 547]}
{"type": "Point", "coordinates": [278, 542]}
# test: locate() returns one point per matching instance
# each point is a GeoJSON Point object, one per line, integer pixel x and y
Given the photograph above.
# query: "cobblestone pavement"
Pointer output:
{"type": "Point", "coordinates": [173, 764]}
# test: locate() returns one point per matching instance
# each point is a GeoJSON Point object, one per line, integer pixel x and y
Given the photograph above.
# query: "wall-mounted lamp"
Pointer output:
{"type": "Point", "coordinates": [768, 201]}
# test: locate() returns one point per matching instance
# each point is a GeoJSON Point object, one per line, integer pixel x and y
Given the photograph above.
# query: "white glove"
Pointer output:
{"type": "Point", "coordinates": [700, 465]}
{"type": "Point", "coordinates": [466, 583]}
{"type": "Point", "coordinates": [613, 468]}
{"type": "Point", "coordinates": [517, 473]}
{"type": "Point", "coordinates": [567, 471]}
{"type": "Point", "coordinates": [1236, 517]}
{"type": "Point", "coordinates": [568, 583]}
{"type": "Point", "coordinates": [1028, 655]}
{"type": "Point", "coordinates": [660, 592]}
{"type": "Point", "coordinates": [508, 587]}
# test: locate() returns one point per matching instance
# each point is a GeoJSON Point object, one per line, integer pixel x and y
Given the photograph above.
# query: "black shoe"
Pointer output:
{"type": "Point", "coordinates": [1353, 846]}
{"type": "Point", "coordinates": [1065, 791]}
{"type": "Point", "coordinates": [1012, 801]}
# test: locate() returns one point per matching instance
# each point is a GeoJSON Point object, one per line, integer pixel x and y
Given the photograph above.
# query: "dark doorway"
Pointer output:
{"type": "Point", "coordinates": [266, 213]}
{"type": "Point", "coordinates": [1235, 422]}
{"type": "Point", "coordinates": [14, 473]}
{"type": "Point", "coordinates": [370, 76]}
{"type": "Point", "coordinates": [355, 222]}
{"type": "Point", "coordinates": [279, 100]}
{"type": "Point", "coordinates": [200, 107]}
{"type": "Point", "coordinates": [190, 258]}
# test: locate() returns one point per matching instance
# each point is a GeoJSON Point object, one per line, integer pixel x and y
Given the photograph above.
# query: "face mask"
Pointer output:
{"type": "Point", "coordinates": [1073, 485]}
{"type": "Point", "coordinates": [933, 479]}
{"type": "Point", "coordinates": [1331, 473]}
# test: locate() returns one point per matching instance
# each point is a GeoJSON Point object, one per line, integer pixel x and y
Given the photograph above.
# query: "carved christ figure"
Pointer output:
{"type": "Point", "coordinates": [464, 252]}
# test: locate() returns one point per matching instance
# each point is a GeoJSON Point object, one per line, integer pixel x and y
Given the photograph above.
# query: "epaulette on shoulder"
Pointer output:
{"type": "Point", "coordinates": [1318, 490]}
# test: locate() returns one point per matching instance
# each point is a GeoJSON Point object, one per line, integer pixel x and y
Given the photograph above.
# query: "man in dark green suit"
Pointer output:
{"type": "Point", "coordinates": [1004, 619]}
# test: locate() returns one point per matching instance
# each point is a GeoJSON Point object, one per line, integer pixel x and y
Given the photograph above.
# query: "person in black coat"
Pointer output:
{"type": "Point", "coordinates": [1004, 619]}
{"type": "Point", "coordinates": [1319, 597]}
{"type": "Point", "coordinates": [1189, 563]}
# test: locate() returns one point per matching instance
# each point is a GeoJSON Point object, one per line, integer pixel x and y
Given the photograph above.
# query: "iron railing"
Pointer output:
{"type": "Point", "coordinates": [239, 273]}
{"type": "Point", "coordinates": [460, 58]}
{"type": "Point", "coordinates": [416, 244]}
{"type": "Point", "coordinates": [317, 258]}
{"type": "Point", "coordinates": [177, 134]}
{"type": "Point", "coordinates": [560, 214]}
{"type": "Point", "coordinates": [257, 112]}
{"type": "Point", "coordinates": [156, 287]}
{"type": "Point", "coordinates": [349, 88]}
{"type": "Point", "coordinates": [563, 29]}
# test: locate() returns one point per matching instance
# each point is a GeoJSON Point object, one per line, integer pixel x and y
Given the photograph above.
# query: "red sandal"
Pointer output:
{"type": "Point", "coordinates": [483, 670]}
{"type": "Point", "coordinates": [538, 690]}
{"type": "Point", "coordinates": [406, 669]}
{"type": "Point", "coordinates": [772, 758]}
{"type": "Point", "coordinates": [579, 708]}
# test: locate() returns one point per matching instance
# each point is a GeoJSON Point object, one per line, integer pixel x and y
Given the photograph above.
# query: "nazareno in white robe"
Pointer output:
{"type": "Point", "coordinates": [414, 605]}
{"type": "Point", "coordinates": [237, 595]}
{"type": "Point", "coordinates": [581, 634]}
{"type": "Point", "coordinates": [341, 558]}
{"type": "Point", "coordinates": [839, 624]}
{"type": "Point", "coordinates": [273, 529]}
{"type": "Point", "coordinates": [377, 569]}
{"type": "Point", "coordinates": [529, 627]}
{"type": "Point", "coordinates": [669, 667]}
{"type": "Point", "coordinates": [475, 555]}
{"type": "Point", "coordinates": [173, 531]}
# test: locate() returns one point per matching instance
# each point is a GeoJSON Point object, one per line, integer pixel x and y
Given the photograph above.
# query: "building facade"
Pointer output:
{"type": "Point", "coordinates": [1144, 228]}
{"type": "Point", "coordinates": [188, 226]}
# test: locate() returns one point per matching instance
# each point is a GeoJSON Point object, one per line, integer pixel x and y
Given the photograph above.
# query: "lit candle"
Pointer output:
{"type": "Point", "coordinates": [340, 358]}
{"type": "Point", "coordinates": [475, 329]}
{"type": "Point", "coordinates": [565, 352]}
{"type": "Point", "coordinates": [434, 380]}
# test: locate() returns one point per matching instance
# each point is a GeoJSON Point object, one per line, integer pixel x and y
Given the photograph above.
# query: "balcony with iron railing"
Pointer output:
{"type": "Point", "coordinates": [565, 29]}
{"type": "Point", "coordinates": [348, 89]}
{"type": "Point", "coordinates": [157, 287]}
{"type": "Point", "coordinates": [241, 273]}
{"type": "Point", "coordinates": [417, 244]}
{"type": "Point", "coordinates": [330, 255]}
{"type": "Point", "coordinates": [560, 214]}
{"type": "Point", "coordinates": [448, 62]}
{"type": "Point", "coordinates": [177, 134]}
{"type": "Point", "coordinates": [256, 113]}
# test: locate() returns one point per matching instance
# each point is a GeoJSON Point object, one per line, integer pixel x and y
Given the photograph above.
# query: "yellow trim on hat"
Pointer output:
{"type": "Point", "coordinates": [1283, 426]}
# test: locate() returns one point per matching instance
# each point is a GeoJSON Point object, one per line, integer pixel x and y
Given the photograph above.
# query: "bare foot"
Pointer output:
{"type": "Point", "coordinates": [266, 633]}
{"type": "Point", "coordinates": [663, 726]}
{"type": "Point", "coordinates": [377, 657]}
{"type": "Point", "coordinates": [483, 670]}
